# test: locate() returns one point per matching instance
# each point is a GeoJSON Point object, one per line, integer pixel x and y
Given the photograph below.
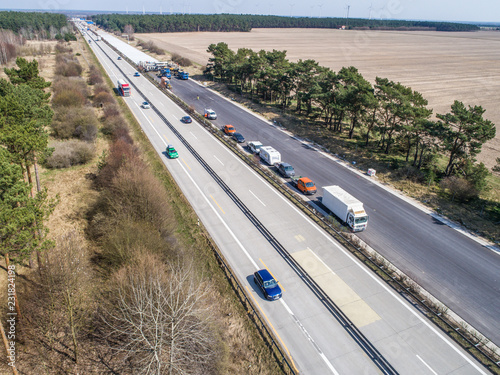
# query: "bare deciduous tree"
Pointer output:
{"type": "Point", "coordinates": [160, 319]}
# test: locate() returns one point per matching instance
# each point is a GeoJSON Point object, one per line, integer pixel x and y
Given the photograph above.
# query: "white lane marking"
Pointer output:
{"type": "Point", "coordinates": [321, 260]}
{"type": "Point", "coordinates": [251, 192]}
{"type": "Point", "coordinates": [193, 135]}
{"type": "Point", "coordinates": [426, 365]}
{"type": "Point", "coordinates": [105, 62]}
{"type": "Point", "coordinates": [359, 265]}
{"type": "Point", "coordinates": [297, 321]}
{"type": "Point", "coordinates": [161, 103]}
{"type": "Point", "coordinates": [218, 160]}
{"type": "Point", "coordinates": [308, 336]}
{"type": "Point", "coordinates": [369, 273]}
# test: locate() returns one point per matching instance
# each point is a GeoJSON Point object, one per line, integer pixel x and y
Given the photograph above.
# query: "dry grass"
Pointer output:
{"type": "Point", "coordinates": [442, 66]}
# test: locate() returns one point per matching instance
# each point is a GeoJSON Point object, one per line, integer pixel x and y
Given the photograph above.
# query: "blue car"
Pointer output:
{"type": "Point", "coordinates": [269, 286]}
{"type": "Point", "coordinates": [136, 74]}
{"type": "Point", "coordinates": [186, 120]}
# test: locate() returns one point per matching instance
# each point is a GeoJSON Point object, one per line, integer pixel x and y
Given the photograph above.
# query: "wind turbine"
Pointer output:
{"type": "Point", "coordinates": [320, 6]}
{"type": "Point", "coordinates": [347, 16]}
{"type": "Point", "coordinates": [291, 8]}
{"type": "Point", "coordinates": [370, 11]}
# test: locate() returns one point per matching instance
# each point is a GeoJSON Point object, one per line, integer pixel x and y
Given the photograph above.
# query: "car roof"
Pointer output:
{"type": "Point", "coordinates": [285, 164]}
{"type": "Point", "coordinates": [237, 134]}
{"type": "Point", "coordinates": [265, 274]}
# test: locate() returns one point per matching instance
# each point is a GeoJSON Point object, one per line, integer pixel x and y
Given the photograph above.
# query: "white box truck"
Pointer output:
{"type": "Point", "coordinates": [269, 155]}
{"type": "Point", "coordinates": [345, 207]}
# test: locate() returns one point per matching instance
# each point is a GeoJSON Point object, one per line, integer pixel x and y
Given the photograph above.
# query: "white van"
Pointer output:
{"type": "Point", "coordinates": [254, 146]}
{"type": "Point", "coordinates": [269, 155]}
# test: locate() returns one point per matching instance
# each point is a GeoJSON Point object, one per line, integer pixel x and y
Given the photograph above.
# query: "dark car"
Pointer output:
{"type": "Point", "coordinates": [136, 74]}
{"type": "Point", "coordinates": [238, 138]}
{"type": "Point", "coordinates": [119, 57]}
{"type": "Point", "coordinates": [269, 286]}
{"type": "Point", "coordinates": [186, 120]}
{"type": "Point", "coordinates": [286, 170]}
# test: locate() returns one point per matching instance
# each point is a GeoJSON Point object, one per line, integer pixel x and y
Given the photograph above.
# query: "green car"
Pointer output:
{"type": "Point", "coordinates": [171, 152]}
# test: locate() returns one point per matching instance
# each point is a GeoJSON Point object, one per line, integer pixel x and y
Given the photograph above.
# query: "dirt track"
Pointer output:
{"type": "Point", "coordinates": [442, 66]}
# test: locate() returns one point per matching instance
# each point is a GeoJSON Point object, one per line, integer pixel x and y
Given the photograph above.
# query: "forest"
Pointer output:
{"type": "Point", "coordinates": [386, 118]}
{"type": "Point", "coordinates": [41, 23]}
{"type": "Point", "coordinates": [156, 23]}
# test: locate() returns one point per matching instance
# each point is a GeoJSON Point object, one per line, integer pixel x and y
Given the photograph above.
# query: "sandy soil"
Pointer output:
{"type": "Point", "coordinates": [442, 66]}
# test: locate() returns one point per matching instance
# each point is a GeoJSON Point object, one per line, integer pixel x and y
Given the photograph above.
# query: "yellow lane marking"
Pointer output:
{"type": "Point", "coordinates": [217, 204]}
{"type": "Point", "coordinates": [166, 138]}
{"type": "Point", "coordinates": [283, 289]}
{"type": "Point", "coordinates": [272, 327]}
{"type": "Point", "coordinates": [150, 119]}
{"type": "Point", "coordinates": [186, 163]}
{"type": "Point", "coordinates": [360, 313]}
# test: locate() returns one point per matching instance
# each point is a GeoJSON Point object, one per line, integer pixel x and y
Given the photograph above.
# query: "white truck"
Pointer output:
{"type": "Point", "coordinates": [269, 155]}
{"type": "Point", "coordinates": [345, 207]}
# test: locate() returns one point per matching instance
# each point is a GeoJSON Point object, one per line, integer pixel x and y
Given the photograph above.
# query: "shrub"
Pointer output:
{"type": "Point", "coordinates": [61, 48]}
{"type": "Point", "coordinates": [95, 78]}
{"type": "Point", "coordinates": [95, 75]}
{"type": "Point", "coordinates": [70, 84]}
{"type": "Point", "coordinates": [111, 111]}
{"type": "Point", "coordinates": [68, 99]}
{"type": "Point", "coordinates": [103, 98]}
{"type": "Point", "coordinates": [101, 88]}
{"type": "Point", "coordinates": [119, 152]}
{"type": "Point", "coordinates": [458, 188]}
{"type": "Point", "coordinates": [183, 61]}
{"type": "Point", "coordinates": [69, 69]}
{"type": "Point", "coordinates": [121, 244]}
{"type": "Point", "coordinates": [79, 122]}
{"type": "Point", "coordinates": [68, 153]}
{"type": "Point", "coordinates": [68, 66]}
{"type": "Point", "coordinates": [151, 46]}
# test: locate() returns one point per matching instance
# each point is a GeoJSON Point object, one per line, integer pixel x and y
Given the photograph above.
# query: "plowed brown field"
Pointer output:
{"type": "Point", "coordinates": [442, 66]}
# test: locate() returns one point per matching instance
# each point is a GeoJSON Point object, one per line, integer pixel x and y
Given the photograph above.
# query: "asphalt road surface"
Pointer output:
{"type": "Point", "coordinates": [306, 329]}
{"type": "Point", "coordinates": [457, 270]}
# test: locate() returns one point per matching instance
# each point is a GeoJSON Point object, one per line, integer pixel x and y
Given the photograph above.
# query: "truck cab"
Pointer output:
{"type": "Point", "coordinates": [305, 185]}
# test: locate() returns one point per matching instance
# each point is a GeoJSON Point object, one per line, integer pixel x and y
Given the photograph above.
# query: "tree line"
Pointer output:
{"type": "Point", "coordinates": [24, 116]}
{"type": "Point", "coordinates": [34, 25]}
{"type": "Point", "coordinates": [391, 118]}
{"type": "Point", "coordinates": [156, 23]}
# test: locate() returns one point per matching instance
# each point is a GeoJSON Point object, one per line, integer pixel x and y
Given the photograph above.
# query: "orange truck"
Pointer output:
{"type": "Point", "coordinates": [304, 184]}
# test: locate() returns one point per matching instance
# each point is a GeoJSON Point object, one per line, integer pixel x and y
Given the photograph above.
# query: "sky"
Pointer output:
{"type": "Point", "coordinates": [443, 10]}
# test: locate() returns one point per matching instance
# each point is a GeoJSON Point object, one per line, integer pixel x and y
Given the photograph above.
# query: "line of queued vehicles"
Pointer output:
{"type": "Point", "coordinates": [342, 204]}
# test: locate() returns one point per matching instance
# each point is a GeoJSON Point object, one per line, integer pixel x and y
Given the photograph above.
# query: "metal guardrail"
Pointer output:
{"type": "Point", "coordinates": [472, 347]}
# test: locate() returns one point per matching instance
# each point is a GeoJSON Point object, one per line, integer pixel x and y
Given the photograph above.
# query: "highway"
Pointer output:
{"type": "Point", "coordinates": [458, 271]}
{"type": "Point", "coordinates": [317, 343]}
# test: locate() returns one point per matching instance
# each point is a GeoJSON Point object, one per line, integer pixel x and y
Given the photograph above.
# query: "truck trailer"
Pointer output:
{"type": "Point", "coordinates": [123, 88]}
{"type": "Point", "coordinates": [347, 208]}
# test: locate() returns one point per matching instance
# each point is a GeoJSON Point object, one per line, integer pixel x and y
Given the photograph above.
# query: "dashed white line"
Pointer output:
{"type": "Point", "coordinates": [426, 365]}
{"type": "Point", "coordinates": [308, 336]}
{"type": "Point", "coordinates": [193, 135]}
{"type": "Point", "coordinates": [251, 192]}
{"type": "Point", "coordinates": [218, 160]}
